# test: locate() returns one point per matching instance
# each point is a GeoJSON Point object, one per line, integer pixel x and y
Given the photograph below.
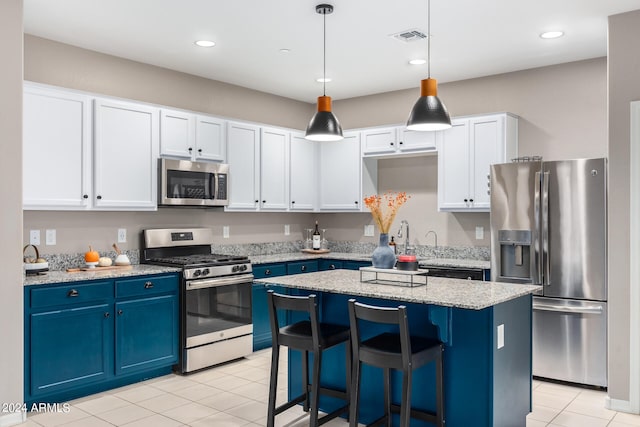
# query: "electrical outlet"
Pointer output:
{"type": "Point", "coordinates": [122, 235]}
{"type": "Point", "coordinates": [500, 336]}
{"type": "Point", "coordinates": [50, 236]}
{"type": "Point", "coordinates": [225, 232]}
{"type": "Point", "coordinates": [368, 230]}
{"type": "Point", "coordinates": [287, 230]}
{"type": "Point", "coordinates": [34, 237]}
{"type": "Point", "coordinates": [479, 233]}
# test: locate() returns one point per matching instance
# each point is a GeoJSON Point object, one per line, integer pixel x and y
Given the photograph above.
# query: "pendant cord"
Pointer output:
{"type": "Point", "coordinates": [324, 54]}
{"type": "Point", "coordinates": [429, 38]}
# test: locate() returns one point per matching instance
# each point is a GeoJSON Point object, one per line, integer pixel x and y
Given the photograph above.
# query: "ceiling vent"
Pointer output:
{"type": "Point", "coordinates": [409, 35]}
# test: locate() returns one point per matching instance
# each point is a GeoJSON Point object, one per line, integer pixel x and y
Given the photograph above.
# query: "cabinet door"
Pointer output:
{"type": "Point", "coordinates": [487, 142]}
{"type": "Point", "coordinates": [411, 140]}
{"type": "Point", "coordinates": [303, 177]}
{"type": "Point", "coordinates": [379, 141]}
{"type": "Point", "coordinates": [177, 132]}
{"type": "Point", "coordinates": [244, 166]}
{"type": "Point", "coordinates": [340, 168]}
{"type": "Point", "coordinates": [70, 348]}
{"type": "Point", "coordinates": [56, 150]}
{"type": "Point", "coordinates": [125, 155]}
{"type": "Point", "coordinates": [274, 170]}
{"type": "Point", "coordinates": [210, 139]}
{"type": "Point", "coordinates": [146, 333]}
{"type": "Point", "coordinates": [260, 315]}
{"type": "Point", "coordinates": [453, 167]}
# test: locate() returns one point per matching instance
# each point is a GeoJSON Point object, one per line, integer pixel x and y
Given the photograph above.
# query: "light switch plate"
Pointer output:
{"type": "Point", "coordinates": [368, 230]}
{"type": "Point", "coordinates": [287, 230]}
{"type": "Point", "coordinates": [50, 236]}
{"type": "Point", "coordinates": [122, 235]}
{"type": "Point", "coordinates": [500, 336]}
{"type": "Point", "coordinates": [225, 232]}
{"type": "Point", "coordinates": [34, 237]}
{"type": "Point", "coordinates": [479, 233]}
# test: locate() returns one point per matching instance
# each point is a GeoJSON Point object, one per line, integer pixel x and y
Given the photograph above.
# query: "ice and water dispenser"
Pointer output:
{"type": "Point", "coordinates": [515, 254]}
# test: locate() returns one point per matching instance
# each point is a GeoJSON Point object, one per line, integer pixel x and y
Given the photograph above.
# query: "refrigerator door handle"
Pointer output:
{"type": "Point", "coordinates": [546, 261]}
{"type": "Point", "coordinates": [588, 309]}
{"type": "Point", "coordinates": [537, 267]}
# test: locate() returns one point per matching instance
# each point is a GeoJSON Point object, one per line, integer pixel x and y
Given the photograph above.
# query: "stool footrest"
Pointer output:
{"type": "Point", "coordinates": [332, 415]}
{"type": "Point", "coordinates": [290, 404]}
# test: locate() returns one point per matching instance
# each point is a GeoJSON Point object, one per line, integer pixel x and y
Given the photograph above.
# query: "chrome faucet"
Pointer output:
{"type": "Point", "coordinates": [404, 224]}
{"type": "Point", "coordinates": [435, 235]}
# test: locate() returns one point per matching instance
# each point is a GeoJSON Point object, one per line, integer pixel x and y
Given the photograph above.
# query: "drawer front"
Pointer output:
{"type": "Point", "coordinates": [329, 264]}
{"type": "Point", "coordinates": [71, 294]}
{"type": "Point", "coordinates": [146, 286]}
{"type": "Point", "coordinates": [355, 265]}
{"type": "Point", "coordinates": [270, 270]}
{"type": "Point", "coordinates": [302, 267]}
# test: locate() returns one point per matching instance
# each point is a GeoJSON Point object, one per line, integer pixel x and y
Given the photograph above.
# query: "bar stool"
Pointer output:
{"type": "Point", "coordinates": [399, 351]}
{"type": "Point", "coordinates": [307, 336]}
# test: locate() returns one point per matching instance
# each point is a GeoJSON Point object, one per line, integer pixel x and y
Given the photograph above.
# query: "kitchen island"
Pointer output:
{"type": "Point", "coordinates": [486, 328]}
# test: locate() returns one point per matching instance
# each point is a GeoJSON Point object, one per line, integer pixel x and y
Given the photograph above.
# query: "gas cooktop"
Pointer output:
{"type": "Point", "coordinates": [199, 260]}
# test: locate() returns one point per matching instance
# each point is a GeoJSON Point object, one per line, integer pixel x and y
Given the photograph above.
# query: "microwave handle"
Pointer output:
{"type": "Point", "coordinates": [213, 185]}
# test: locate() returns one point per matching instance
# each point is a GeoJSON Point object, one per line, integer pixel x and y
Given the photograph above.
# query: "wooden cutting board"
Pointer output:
{"type": "Point", "coordinates": [111, 267]}
{"type": "Point", "coordinates": [316, 251]}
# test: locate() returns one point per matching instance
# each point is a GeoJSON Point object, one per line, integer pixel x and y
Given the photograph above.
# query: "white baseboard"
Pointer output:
{"type": "Point", "coordinates": [619, 405]}
{"type": "Point", "coordinates": [13, 419]}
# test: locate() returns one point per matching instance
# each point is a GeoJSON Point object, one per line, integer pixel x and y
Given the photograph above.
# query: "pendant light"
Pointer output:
{"type": "Point", "coordinates": [429, 113]}
{"type": "Point", "coordinates": [324, 126]}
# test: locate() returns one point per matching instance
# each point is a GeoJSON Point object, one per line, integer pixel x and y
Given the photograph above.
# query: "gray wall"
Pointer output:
{"type": "Point", "coordinates": [11, 313]}
{"type": "Point", "coordinates": [624, 87]}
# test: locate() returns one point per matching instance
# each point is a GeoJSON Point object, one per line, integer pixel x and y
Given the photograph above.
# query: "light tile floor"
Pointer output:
{"type": "Point", "coordinates": [235, 394]}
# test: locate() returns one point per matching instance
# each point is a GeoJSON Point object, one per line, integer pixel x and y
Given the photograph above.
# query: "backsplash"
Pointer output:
{"type": "Point", "coordinates": [64, 261]}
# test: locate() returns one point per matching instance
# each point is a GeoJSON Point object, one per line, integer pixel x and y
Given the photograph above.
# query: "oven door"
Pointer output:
{"type": "Point", "coordinates": [217, 309]}
{"type": "Point", "coordinates": [185, 183]}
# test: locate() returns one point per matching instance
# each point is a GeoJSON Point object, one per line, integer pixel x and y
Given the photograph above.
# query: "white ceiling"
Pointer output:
{"type": "Point", "coordinates": [470, 38]}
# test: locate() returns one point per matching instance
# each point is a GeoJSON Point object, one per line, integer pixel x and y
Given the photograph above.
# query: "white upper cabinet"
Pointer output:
{"type": "Point", "coordinates": [243, 156]}
{"type": "Point", "coordinates": [303, 173]}
{"type": "Point", "coordinates": [274, 170]}
{"type": "Point", "coordinates": [465, 154]}
{"type": "Point", "coordinates": [340, 174]}
{"type": "Point", "coordinates": [210, 139]}
{"type": "Point", "coordinates": [56, 149]}
{"type": "Point", "coordinates": [126, 141]}
{"type": "Point", "coordinates": [397, 141]}
{"type": "Point", "coordinates": [192, 137]}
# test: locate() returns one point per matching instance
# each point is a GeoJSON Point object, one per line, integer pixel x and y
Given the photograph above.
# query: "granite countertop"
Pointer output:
{"type": "Point", "coordinates": [426, 262]}
{"type": "Point", "coordinates": [458, 293]}
{"type": "Point", "coordinates": [63, 276]}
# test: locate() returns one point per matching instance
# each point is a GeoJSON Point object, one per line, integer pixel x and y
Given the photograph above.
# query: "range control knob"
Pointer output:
{"type": "Point", "coordinates": [205, 272]}
{"type": "Point", "coordinates": [235, 268]}
{"type": "Point", "coordinates": [243, 267]}
{"type": "Point", "coordinates": [197, 273]}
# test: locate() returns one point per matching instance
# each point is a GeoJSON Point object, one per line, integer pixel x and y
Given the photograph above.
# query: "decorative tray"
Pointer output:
{"type": "Point", "coordinates": [316, 251]}
{"type": "Point", "coordinates": [393, 276]}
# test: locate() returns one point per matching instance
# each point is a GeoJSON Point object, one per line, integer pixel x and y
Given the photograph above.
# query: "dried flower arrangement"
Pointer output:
{"type": "Point", "coordinates": [384, 208]}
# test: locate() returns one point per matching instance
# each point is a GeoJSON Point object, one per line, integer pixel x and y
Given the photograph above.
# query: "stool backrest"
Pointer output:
{"type": "Point", "coordinates": [383, 315]}
{"type": "Point", "coordinates": [305, 304]}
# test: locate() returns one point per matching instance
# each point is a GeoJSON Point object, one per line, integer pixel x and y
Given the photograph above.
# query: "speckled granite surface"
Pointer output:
{"type": "Point", "coordinates": [64, 261]}
{"type": "Point", "coordinates": [467, 294]}
{"type": "Point", "coordinates": [63, 276]}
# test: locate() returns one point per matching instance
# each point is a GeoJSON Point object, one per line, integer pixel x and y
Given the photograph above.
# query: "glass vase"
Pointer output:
{"type": "Point", "coordinates": [383, 256]}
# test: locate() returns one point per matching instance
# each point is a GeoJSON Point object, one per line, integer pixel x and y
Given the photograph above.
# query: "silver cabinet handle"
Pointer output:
{"type": "Point", "coordinates": [148, 285]}
{"type": "Point", "coordinates": [73, 293]}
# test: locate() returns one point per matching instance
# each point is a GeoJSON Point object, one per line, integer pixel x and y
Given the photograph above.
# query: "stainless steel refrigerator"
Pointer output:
{"type": "Point", "coordinates": [548, 227]}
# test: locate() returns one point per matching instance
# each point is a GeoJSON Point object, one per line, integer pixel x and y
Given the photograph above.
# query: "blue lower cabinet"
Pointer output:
{"type": "Point", "coordinates": [146, 333]}
{"type": "Point", "coordinates": [81, 338]}
{"type": "Point", "coordinates": [69, 348]}
{"type": "Point", "coordinates": [299, 267]}
{"type": "Point", "coordinates": [261, 322]}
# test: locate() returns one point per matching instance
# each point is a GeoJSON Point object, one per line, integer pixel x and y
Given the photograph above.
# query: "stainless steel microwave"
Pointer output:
{"type": "Point", "coordinates": [186, 183]}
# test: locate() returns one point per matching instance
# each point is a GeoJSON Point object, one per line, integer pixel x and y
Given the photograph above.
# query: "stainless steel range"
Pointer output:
{"type": "Point", "coordinates": [215, 297]}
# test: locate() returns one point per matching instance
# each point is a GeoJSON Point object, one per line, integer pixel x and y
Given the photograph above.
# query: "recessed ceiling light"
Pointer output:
{"type": "Point", "coordinates": [285, 50]}
{"type": "Point", "coordinates": [551, 34]}
{"type": "Point", "coordinates": [205, 43]}
{"type": "Point", "coordinates": [323, 79]}
{"type": "Point", "coordinates": [418, 61]}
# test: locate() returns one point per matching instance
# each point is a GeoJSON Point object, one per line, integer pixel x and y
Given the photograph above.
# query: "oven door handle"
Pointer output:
{"type": "Point", "coordinates": [219, 281]}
